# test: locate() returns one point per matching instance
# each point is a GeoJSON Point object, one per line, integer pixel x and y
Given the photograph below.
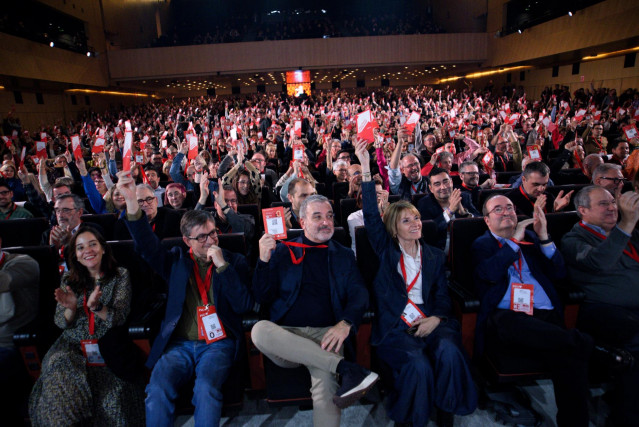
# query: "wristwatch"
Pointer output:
{"type": "Point", "coordinates": [97, 308]}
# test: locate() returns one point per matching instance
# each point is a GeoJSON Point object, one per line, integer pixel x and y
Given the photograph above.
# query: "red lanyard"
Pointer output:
{"type": "Point", "coordinates": [598, 144]}
{"type": "Point", "coordinates": [523, 193]}
{"type": "Point", "coordinates": [632, 253]}
{"type": "Point", "coordinates": [501, 159]}
{"type": "Point", "coordinates": [517, 267]}
{"type": "Point", "coordinates": [202, 286]}
{"type": "Point", "coordinates": [295, 260]}
{"type": "Point", "coordinates": [89, 314]}
{"type": "Point", "coordinates": [467, 187]}
{"type": "Point", "coordinates": [11, 212]}
{"type": "Point", "coordinates": [2, 258]}
{"type": "Point", "coordinates": [401, 263]}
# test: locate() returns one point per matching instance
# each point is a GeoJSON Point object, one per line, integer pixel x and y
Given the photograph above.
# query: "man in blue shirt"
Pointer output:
{"type": "Point", "coordinates": [520, 314]}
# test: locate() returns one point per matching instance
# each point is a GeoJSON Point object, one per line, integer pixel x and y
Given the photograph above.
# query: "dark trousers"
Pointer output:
{"type": "Point", "coordinates": [564, 352]}
{"type": "Point", "coordinates": [617, 327]}
{"type": "Point", "coordinates": [427, 371]}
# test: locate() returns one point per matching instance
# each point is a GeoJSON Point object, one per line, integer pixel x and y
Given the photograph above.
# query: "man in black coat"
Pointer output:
{"type": "Point", "coordinates": [444, 204]}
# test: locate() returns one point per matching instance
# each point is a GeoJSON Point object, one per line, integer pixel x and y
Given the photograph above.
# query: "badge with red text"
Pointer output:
{"type": "Point", "coordinates": [209, 325]}
{"type": "Point", "coordinates": [521, 298]}
{"type": "Point", "coordinates": [91, 352]}
{"type": "Point", "coordinates": [412, 313]}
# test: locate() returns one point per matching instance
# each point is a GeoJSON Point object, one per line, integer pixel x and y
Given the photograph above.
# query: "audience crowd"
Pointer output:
{"type": "Point", "coordinates": [190, 168]}
{"type": "Point", "coordinates": [292, 24]}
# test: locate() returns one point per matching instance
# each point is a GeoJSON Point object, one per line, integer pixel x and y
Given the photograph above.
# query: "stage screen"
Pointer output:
{"type": "Point", "coordinates": [298, 82]}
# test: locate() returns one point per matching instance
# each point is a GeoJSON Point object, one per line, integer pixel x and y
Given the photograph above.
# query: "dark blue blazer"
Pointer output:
{"type": "Point", "coordinates": [389, 288]}
{"type": "Point", "coordinates": [491, 263]}
{"type": "Point", "coordinates": [230, 288]}
{"type": "Point", "coordinates": [277, 284]}
{"type": "Point", "coordinates": [429, 208]}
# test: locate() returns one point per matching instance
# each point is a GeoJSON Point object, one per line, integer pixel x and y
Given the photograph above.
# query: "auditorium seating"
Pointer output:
{"type": "Point", "coordinates": [106, 221]}
{"type": "Point", "coordinates": [22, 232]}
{"type": "Point", "coordinates": [34, 339]}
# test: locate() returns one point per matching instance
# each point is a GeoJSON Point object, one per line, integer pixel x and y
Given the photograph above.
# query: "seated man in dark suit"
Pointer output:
{"type": "Point", "coordinates": [164, 222]}
{"type": "Point", "coordinates": [520, 314]}
{"type": "Point", "coordinates": [444, 203]}
{"type": "Point", "coordinates": [533, 188]}
{"type": "Point", "coordinates": [602, 258]}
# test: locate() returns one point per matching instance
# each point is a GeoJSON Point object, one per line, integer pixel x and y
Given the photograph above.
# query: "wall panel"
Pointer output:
{"type": "Point", "coordinates": [290, 54]}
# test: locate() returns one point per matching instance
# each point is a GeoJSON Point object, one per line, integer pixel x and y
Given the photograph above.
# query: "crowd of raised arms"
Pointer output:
{"type": "Point", "coordinates": [385, 159]}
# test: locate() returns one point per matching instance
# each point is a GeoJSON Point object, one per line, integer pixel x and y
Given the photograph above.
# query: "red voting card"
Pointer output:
{"type": "Point", "coordinates": [630, 131]}
{"type": "Point", "coordinates": [534, 152]}
{"type": "Point", "coordinates": [274, 222]}
{"type": "Point", "coordinates": [75, 146]}
{"type": "Point", "coordinates": [193, 146]}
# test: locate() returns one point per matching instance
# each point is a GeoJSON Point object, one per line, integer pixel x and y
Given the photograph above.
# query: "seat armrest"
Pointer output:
{"type": "Point", "coordinates": [467, 301]}
{"type": "Point", "coordinates": [569, 293]}
{"type": "Point", "coordinates": [145, 326]}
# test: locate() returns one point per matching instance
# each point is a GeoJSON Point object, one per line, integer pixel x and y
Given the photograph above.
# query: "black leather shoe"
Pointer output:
{"type": "Point", "coordinates": [616, 360]}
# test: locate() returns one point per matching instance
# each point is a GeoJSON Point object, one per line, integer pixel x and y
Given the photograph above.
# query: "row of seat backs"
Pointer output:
{"type": "Point", "coordinates": [28, 231]}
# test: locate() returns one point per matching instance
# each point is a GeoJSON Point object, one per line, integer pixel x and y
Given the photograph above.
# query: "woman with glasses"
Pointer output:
{"type": "Point", "coordinates": [413, 330]}
{"type": "Point", "coordinates": [176, 197]}
{"type": "Point", "coordinates": [76, 387]}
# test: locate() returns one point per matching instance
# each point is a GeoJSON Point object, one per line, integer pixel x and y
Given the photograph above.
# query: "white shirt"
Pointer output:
{"type": "Point", "coordinates": [413, 267]}
{"type": "Point", "coordinates": [355, 220]}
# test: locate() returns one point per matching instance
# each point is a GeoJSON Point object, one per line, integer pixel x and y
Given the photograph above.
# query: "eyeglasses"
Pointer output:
{"type": "Point", "coordinates": [202, 238]}
{"type": "Point", "coordinates": [470, 173]}
{"type": "Point", "coordinates": [63, 211]}
{"type": "Point", "coordinates": [4, 192]}
{"type": "Point", "coordinates": [148, 200]}
{"type": "Point", "coordinates": [615, 180]}
{"type": "Point", "coordinates": [501, 209]}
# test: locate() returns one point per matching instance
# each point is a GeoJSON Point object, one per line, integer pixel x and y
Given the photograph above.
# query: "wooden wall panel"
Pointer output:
{"type": "Point", "coordinates": [291, 54]}
{"type": "Point", "coordinates": [23, 58]}
{"type": "Point", "coordinates": [606, 22]}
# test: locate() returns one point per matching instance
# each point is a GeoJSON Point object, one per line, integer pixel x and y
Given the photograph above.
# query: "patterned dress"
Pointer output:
{"type": "Point", "coordinates": [69, 392]}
